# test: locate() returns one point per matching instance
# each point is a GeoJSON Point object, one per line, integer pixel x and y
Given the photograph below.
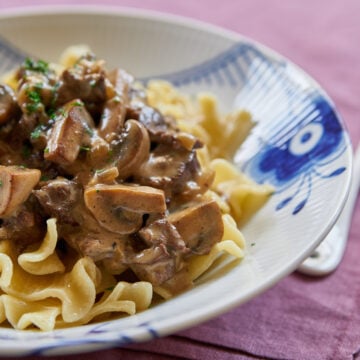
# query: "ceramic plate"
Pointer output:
{"type": "Point", "coordinates": [299, 146]}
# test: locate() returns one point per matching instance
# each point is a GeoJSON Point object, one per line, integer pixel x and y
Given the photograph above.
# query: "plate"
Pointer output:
{"type": "Point", "coordinates": [299, 145]}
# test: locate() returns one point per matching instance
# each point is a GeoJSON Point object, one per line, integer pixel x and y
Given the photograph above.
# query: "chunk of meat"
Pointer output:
{"type": "Point", "coordinates": [161, 231]}
{"type": "Point", "coordinates": [120, 208]}
{"type": "Point", "coordinates": [8, 105]}
{"type": "Point", "coordinates": [16, 184]}
{"type": "Point", "coordinates": [58, 197]}
{"type": "Point", "coordinates": [8, 155]}
{"type": "Point", "coordinates": [163, 256]}
{"type": "Point", "coordinates": [66, 135]}
{"type": "Point", "coordinates": [200, 226]}
{"type": "Point", "coordinates": [155, 265]}
{"type": "Point", "coordinates": [157, 125]}
{"type": "Point", "coordinates": [98, 244]}
{"type": "Point", "coordinates": [24, 227]}
{"type": "Point", "coordinates": [170, 168]}
{"type": "Point", "coordinates": [86, 80]}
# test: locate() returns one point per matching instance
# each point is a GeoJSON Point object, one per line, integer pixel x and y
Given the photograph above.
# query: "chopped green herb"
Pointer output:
{"type": "Point", "coordinates": [31, 107]}
{"type": "Point", "coordinates": [46, 150]}
{"type": "Point", "coordinates": [1, 183]}
{"type": "Point", "coordinates": [34, 96]}
{"type": "Point", "coordinates": [44, 178]}
{"type": "Point", "coordinates": [97, 190]}
{"type": "Point", "coordinates": [252, 244]}
{"type": "Point", "coordinates": [85, 148]}
{"type": "Point", "coordinates": [99, 171]}
{"type": "Point", "coordinates": [34, 101]}
{"type": "Point", "coordinates": [36, 133]}
{"type": "Point", "coordinates": [51, 113]}
{"type": "Point", "coordinates": [22, 166]}
{"type": "Point", "coordinates": [77, 103]}
{"type": "Point", "coordinates": [111, 288]}
{"type": "Point", "coordinates": [92, 83]}
{"type": "Point", "coordinates": [33, 65]}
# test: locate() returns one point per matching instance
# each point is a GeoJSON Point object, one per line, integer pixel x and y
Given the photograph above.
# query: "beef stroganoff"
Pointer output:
{"type": "Point", "coordinates": [111, 193]}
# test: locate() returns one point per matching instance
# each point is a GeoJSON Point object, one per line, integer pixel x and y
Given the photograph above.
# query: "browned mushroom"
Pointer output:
{"type": "Point", "coordinates": [112, 119]}
{"type": "Point", "coordinates": [65, 138]}
{"type": "Point", "coordinates": [16, 184]}
{"type": "Point", "coordinates": [200, 226]}
{"type": "Point", "coordinates": [113, 115]}
{"type": "Point", "coordinates": [132, 148]}
{"type": "Point", "coordinates": [120, 208]}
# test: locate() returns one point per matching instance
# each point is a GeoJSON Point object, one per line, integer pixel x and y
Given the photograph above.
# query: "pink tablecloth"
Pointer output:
{"type": "Point", "coordinates": [301, 317]}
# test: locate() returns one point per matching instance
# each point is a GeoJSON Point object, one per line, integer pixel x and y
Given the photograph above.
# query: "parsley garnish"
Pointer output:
{"type": "Point", "coordinates": [36, 133]}
{"type": "Point", "coordinates": [33, 65]}
{"type": "Point", "coordinates": [77, 103]}
{"type": "Point", "coordinates": [34, 101]}
{"type": "Point", "coordinates": [31, 107]}
{"type": "Point", "coordinates": [84, 148]}
{"type": "Point", "coordinates": [1, 183]}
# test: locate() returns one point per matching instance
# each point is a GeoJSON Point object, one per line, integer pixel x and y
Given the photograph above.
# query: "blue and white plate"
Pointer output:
{"type": "Point", "coordinates": [299, 145]}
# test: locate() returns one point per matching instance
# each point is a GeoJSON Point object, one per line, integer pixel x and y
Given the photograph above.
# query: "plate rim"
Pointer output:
{"type": "Point", "coordinates": [179, 322]}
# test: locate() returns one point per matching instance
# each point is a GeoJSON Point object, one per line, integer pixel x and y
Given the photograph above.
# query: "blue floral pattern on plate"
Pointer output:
{"type": "Point", "coordinates": [309, 137]}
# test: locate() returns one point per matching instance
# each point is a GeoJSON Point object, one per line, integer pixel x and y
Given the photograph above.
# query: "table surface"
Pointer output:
{"type": "Point", "coordinates": [300, 317]}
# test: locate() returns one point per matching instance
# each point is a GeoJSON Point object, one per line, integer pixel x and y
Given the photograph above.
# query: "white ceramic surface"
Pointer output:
{"type": "Point", "coordinates": [299, 145]}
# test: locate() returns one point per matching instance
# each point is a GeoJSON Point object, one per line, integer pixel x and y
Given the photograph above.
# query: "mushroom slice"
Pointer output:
{"type": "Point", "coordinates": [113, 116]}
{"type": "Point", "coordinates": [120, 208]}
{"type": "Point", "coordinates": [200, 226]}
{"type": "Point", "coordinates": [132, 148]}
{"type": "Point", "coordinates": [16, 184]}
{"type": "Point", "coordinates": [67, 133]}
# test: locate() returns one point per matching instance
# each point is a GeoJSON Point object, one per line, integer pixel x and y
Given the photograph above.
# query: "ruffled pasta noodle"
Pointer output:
{"type": "Point", "coordinates": [43, 288]}
{"type": "Point", "coordinates": [47, 300]}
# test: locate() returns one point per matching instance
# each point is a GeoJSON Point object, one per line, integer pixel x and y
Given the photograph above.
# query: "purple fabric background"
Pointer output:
{"type": "Point", "coordinates": [300, 317]}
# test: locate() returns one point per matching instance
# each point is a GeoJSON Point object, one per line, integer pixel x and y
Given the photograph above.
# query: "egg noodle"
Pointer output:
{"type": "Point", "coordinates": [42, 288]}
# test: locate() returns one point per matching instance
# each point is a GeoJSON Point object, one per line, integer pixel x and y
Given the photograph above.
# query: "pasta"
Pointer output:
{"type": "Point", "coordinates": [113, 181]}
